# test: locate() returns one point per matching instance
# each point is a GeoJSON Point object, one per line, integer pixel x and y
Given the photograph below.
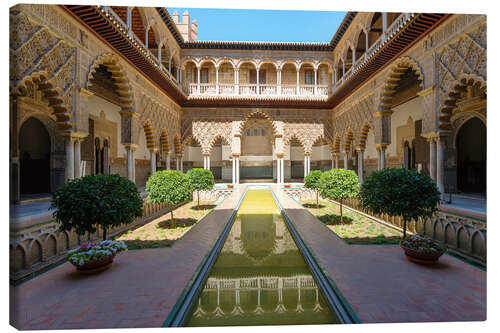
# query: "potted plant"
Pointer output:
{"type": "Point", "coordinates": [200, 179]}
{"type": "Point", "coordinates": [422, 250]}
{"type": "Point", "coordinates": [171, 187]}
{"type": "Point", "coordinates": [312, 182]}
{"type": "Point", "coordinates": [85, 203]}
{"type": "Point", "coordinates": [339, 184]}
{"type": "Point", "coordinates": [405, 193]}
{"type": "Point", "coordinates": [287, 185]}
{"type": "Point", "coordinates": [95, 257]}
{"type": "Point", "coordinates": [230, 186]}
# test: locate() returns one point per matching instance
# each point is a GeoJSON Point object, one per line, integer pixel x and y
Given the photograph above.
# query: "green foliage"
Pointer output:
{"type": "Point", "coordinates": [339, 184]}
{"type": "Point", "coordinates": [201, 179]}
{"type": "Point", "coordinates": [312, 182]}
{"type": "Point", "coordinates": [400, 192]}
{"type": "Point", "coordinates": [168, 186]}
{"type": "Point", "coordinates": [106, 200]}
{"type": "Point", "coordinates": [312, 179]}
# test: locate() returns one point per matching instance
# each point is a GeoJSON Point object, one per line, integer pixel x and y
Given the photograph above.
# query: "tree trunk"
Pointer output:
{"type": "Point", "coordinates": [404, 229]}
{"type": "Point", "coordinates": [172, 216]}
{"type": "Point", "coordinates": [341, 219]}
{"type": "Point", "coordinates": [104, 233]}
{"type": "Point", "coordinates": [198, 195]}
{"type": "Point", "coordinates": [317, 205]}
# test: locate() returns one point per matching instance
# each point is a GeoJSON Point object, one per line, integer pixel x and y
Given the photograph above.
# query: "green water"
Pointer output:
{"type": "Point", "coordinates": [260, 277]}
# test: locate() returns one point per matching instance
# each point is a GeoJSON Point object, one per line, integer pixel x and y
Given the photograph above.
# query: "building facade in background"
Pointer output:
{"type": "Point", "coordinates": [130, 90]}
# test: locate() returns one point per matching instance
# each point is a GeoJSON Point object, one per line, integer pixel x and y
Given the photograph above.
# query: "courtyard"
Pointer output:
{"type": "Point", "coordinates": [161, 178]}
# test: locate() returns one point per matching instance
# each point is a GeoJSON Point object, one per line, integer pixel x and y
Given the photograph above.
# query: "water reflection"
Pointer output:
{"type": "Point", "coordinates": [260, 277]}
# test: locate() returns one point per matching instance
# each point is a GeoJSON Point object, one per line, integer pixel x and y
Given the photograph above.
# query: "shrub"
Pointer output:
{"type": "Point", "coordinates": [400, 192]}
{"type": "Point", "coordinates": [106, 200]}
{"type": "Point", "coordinates": [200, 179]}
{"type": "Point", "coordinates": [169, 186]}
{"type": "Point", "coordinates": [312, 182]}
{"type": "Point", "coordinates": [339, 184]}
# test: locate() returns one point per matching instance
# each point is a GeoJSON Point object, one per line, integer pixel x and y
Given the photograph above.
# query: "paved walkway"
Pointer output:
{"type": "Point", "coordinates": [474, 206]}
{"type": "Point", "coordinates": [139, 290]}
{"type": "Point", "coordinates": [382, 286]}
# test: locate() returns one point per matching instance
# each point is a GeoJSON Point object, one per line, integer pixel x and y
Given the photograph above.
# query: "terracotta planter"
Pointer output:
{"type": "Point", "coordinates": [95, 266]}
{"type": "Point", "coordinates": [230, 186]}
{"type": "Point", "coordinates": [287, 185]}
{"type": "Point", "coordinates": [419, 257]}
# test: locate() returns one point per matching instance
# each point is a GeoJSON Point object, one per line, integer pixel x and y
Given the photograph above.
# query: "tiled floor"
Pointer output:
{"type": "Point", "coordinates": [139, 290]}
{"type": "Point", "coordinates": [383, 286]}
{"type": "Point", "coordinates": [141, 287]}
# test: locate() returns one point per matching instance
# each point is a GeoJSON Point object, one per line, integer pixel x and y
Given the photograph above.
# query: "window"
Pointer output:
{"type": "Point", "coordinates": [255, 132]}
{"type": "Point", "coordinates": [263, 133]}
{"type": "Point", "coordinates": [248, 132]}
{"type": "Point", "coordinates": [204, 75]}
{"type": "Point", "coordinates": [309, 77]}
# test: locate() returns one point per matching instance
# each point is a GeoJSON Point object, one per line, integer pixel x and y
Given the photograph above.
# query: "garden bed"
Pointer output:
{"type": "Point", "coordinates": [356, 228]}
{"type": "Point", "coordinates": [160, 233]}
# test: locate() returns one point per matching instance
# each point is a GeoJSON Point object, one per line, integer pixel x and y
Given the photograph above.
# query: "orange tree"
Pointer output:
{"type": "Point", "coordinates": [99, 200]}
{"type": "Point", "coordinates": [400, 192]}
{"type": "Point", "coordinates": [312, 182]}
{"type": "Point", "coordinates": [338, 185]}
{"type": "Point", "coordinates": [169, 186]}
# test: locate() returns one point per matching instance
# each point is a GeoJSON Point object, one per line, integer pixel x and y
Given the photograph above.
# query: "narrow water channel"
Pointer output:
{"type": "Point", "coordinates": [260, 277]}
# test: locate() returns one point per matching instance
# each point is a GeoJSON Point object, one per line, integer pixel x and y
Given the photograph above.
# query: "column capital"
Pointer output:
{"type": "Point", "coordinates": [131, 146]}
{"type": "Point", "coordinates": [236, 155]}
{"type": "Point", "coordinates": [280, 155]}
{"type": "Point", "coordinates": [384, 112]}
{"type": "Point", "coordinates": [382, 145]}
{"type": "Point", "coordinates": [153, 150]}
{"type": "Point", "coordinates": [85, 92]}
{"type": "Point", "coordinates": [360, 149]}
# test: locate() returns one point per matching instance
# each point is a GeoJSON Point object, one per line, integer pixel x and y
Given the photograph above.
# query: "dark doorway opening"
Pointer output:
{"type": "Point", "coordinates": [471, 157]}
{"type": "Point", "coordinates": [34, 146]}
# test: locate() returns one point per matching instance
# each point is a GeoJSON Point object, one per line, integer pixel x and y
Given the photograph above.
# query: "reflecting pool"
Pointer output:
{"type": "Point", "coordinates": [260, 277]}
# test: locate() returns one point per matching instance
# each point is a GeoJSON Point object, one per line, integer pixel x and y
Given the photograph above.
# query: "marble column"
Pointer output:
{"type": "Point", "coordinates": [237, 170]}
{"type": "Point", "coordinates": [282, 173]}
{"type": "Point", "coordinates": [208, 162]}
{"type": "Point", "coordinates": [181, 162]}
{"type": "Point", "coordinates": [333, 163]}
{"type": "Point", "coordinates": [432, 158]}
{"type": "Point", "coordinates": [204, 162]}
{"type": "Point", "coordinates": [298, 82]}
{"type": "Point", "coordinates": [315, 82]}
{"type": "Point", "coordinates": [384, 22]}
{"type": "Point", "coordinates": [440, 165]}
{"type": "Point", "coordinates": [78, 158]}
{"type": "Point", "coordinates": [234, 170]}
{"type": "Point", "coordinates": [278, 170]}
{"type": "Point", "coordinates": [130, 163]}
{"type": "Point", "coordinates": [152, 160]}
{"type": "Point", "coordinates": [199, 75]}
{"type": "Point", "coordinates": [279, 81]}
{"type": "Point", "coordinates": [258, 81]}
{"type": "Point", "coordinates": [217, 80]}
{"type": "Point", "coordinates": [70, 158]}
{"type": "Point", "coordinates": [305, 166]}
{"type": "Point", "coordinates": [168, 160]}
{"type": "Point", "coordinates": [346, 161]}
{"type": "Point", "coordinates": [336, 161]}
{"type": "Point", "coordinates": [361, 165]}
{"type": "Point", "coordinates": [236, 82]}
{"type": "Point", "coordinates": [382, 157]}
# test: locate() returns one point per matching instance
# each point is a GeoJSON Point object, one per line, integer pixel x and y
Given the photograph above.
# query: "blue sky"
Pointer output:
{"type": "Point", "coordinates": [264, 25]}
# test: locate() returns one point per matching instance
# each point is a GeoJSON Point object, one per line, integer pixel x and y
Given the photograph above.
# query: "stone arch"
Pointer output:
{"type": "Point", "coordinates": [257, 114]}
{"type": "Point", "coordinates": [336, 144]}
{"type": "Point", "coordinates": [268, 61]}
{"type": "Point", "coordinates": [394, 76]}
{"type": "Point", "coordinates": [245, 61]}
{"type": "Point", "coordinates": [164, 141]}
{"type": "Point", "coordinates": [18, 257]}
{"type": "Point", "coordinates": [209, 60]}
{"type": "Point", "coordinates": [35, 252]}
{"type": "Point", "coordinates": [125, 90]}
{"type": "Point", "coordinates": [214, 139]}
{"type": "Point", "coordinates": [54, 72]}
{"type": "Point", "coordinates": [187, 60]}
{"type": "Point", "coordinates": [225, 60]}
{"type": "Point", "coordinates": [363, 135]}
{"type": "Point", "coordinates": [50, 246]}
{"type": "Point", "coordinates": [348, 140]}
{"type": "Point", "coordinates": [326, 140]}
{"type": "Point", "coordinates": [150, 137]}
{"type": "Point", "coordinates": [289, 61]}
{"type": "Point", "coordinates": [295, 136]}
{"type": "Point", "coordinates": [464, 118]}
{"type": "Point", "coordinates": [451, 97]}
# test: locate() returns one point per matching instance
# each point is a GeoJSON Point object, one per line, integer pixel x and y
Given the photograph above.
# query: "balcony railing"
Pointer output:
{"type": "Point", "coordinates": [251, 89]}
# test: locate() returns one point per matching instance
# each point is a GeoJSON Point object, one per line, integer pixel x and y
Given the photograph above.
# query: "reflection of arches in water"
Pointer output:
{"type": "Point", "coordinates": [471, 156]}
{"type": "Point", "coordinates": [35, 147]}
{"type": "Point", "coordinates": [258, 234]}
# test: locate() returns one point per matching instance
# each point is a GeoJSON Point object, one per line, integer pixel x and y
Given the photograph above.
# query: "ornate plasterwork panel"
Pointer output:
{"type": "Point", "coordinates": [354, 118]}
{"type": "Point", "coordinates": [460, 63]}
{"type": "Point", "coordinates": [38, 56]}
